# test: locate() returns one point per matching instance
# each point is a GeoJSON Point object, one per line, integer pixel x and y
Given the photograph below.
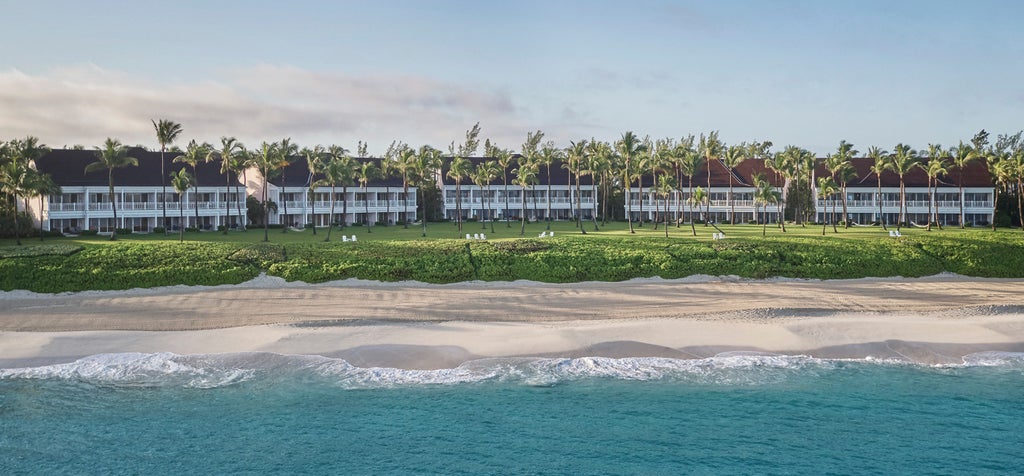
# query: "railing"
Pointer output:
{"type": "Point", "coordinates": [67, 207]}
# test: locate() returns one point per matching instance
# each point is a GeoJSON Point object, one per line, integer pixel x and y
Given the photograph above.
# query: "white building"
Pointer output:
{"type": "Point", "coordinates": [85, 203]}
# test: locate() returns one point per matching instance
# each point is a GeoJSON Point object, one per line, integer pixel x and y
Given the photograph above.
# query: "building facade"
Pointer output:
{"type": "Point", "coordinates": [85, 202]}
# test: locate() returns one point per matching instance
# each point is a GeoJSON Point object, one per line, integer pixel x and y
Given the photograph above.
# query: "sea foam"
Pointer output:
{"type": "Point", "coordinates": [220, 370]}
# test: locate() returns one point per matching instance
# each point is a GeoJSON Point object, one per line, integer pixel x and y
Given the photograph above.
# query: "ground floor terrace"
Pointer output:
{"type": "Point", "coordinates": [867, 206]}
{"type": "Point", "coordinates": [495, 204]}
{"type": "Point", "coordinates": [651, 206]}
{"type": "Point", "coordinates": [139, 209]}
{"type": "Point", "coordinates": [299, 208]}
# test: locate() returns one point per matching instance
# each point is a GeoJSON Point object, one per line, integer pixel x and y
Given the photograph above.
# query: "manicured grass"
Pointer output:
{"type": "Point", "coordinates": [612, 254]}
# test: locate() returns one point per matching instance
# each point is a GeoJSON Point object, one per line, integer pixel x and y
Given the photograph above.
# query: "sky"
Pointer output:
{"type": "Point", "coordinates": [807, 73]}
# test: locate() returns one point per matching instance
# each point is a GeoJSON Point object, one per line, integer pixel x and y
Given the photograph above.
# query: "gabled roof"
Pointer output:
{"type": "Point", "coordinates": [742, 175]}
{"type": "Point", "coordinates": [67, 168]}
{"type": "Point", "coordinates": [296, 174]}
{"type": "Point", "coordinates": [975, 174]}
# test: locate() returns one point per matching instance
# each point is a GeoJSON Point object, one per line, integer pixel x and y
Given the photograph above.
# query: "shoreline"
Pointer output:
{"type": "Point", "coordinates": [931, 320]}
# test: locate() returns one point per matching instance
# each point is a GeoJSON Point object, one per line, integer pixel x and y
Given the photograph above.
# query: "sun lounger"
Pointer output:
{"type": "Point", "coordinates": [353, 237]}
{"type": "Point", "coordinates": [344, 238]}
{"type": "Point", "coordinates": [542, 234]}
{"type": "Point", "coordinates": [483, 236]}
{"type": "Point", "coordinates": [468, 236]}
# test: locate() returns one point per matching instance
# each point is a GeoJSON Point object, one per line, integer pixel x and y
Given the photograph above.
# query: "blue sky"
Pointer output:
{"type": "Point", "coordinates": [806, 73]}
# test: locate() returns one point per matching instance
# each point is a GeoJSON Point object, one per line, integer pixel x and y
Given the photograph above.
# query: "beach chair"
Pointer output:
{"type": "Point", "coordinates": [344, 238]}
{"type": "Point", "coordinates": [476, 236]}
{"type": "Point", "coordinates": [483, 236]}
{"type": "Point", "coordinates": [468, 237]}
{"type": "Point", "coordinates": [898, 234]}
{"type": "Point", "coordinates": [542, 234]}
{"type": "Point", "coordinates": [551, 233]}
{"type": "Point", "coordinates": [892, 233]}
{"type": "Point", "coordinates": [353, 237]}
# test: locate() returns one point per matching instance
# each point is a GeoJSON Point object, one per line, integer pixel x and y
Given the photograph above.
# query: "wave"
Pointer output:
{"type": "Point", "coordinates": [222, 370]}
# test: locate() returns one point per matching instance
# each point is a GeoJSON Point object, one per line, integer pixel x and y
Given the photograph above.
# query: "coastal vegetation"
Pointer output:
{"type": "Point", "coordinates": [613, 254]}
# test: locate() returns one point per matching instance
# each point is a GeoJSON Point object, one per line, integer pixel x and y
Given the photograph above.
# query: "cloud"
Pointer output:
{"type": "Point", "coordinates": [86, 104]}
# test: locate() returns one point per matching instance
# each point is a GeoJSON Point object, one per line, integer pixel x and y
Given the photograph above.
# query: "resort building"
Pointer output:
{"type": "Point", "coordinates": [645, 201]}
{"type": "Point", "coordinates": [85, 203]}
{"type": "Point", "coordinates": [383, 201]}
{"type": "Point", "coordinates": [862, 196]}
{"type": "Point", "coordinates": [495, 201]}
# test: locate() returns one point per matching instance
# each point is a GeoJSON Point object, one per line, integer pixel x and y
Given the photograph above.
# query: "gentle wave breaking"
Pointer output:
{"type": "Point", "coordinates": [220, 370]}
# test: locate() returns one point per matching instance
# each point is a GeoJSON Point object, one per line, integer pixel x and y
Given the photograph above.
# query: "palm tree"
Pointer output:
{"type": "Point", "coordinates": [181, 182]}
{"type": "Point", "coordinates": [428, 162]}
{"type": "Point", "coordinates": [268, 163]}
{"type": "Point", "coordinates": [485, 173]}
{"type": "Point", "coordinates": [903, 160]}
{"type": "Point", "coordinates": [688, 166]}
{"type": "Point", "coordinates": [404, 158]}
{"type": "Point", "coordinates": [460, 167]}
{"type": "Point", "coordinates": [528, 165]}
{"type": "Point", "coordinates": [314, 162]}
{"type": "Point", "coordinates": [1002, 168]}
{"type": "Point", "coordinates": [696, 200]}
{"type": "Point", "coordinates": [166, 133]}
{"type": "Point", "coordinates": [194, 155]}
{"type": "Point", "coordinates": [629, 148]}
{"type": "Point", "coordinates": [230, 147]}
{"type": "Point", "coordinates": [335, 170]}
{"type": "Point", "coordinates": [345, 176]}
{"type": "Point", "coordinates": [666, 185]}
{"type": "Point", "coordinates": [285, 151]}
{"type": "Point", "coordinates": [42, 185]}
{"type": "Point", "coordinates": [506, 159]}
{"type": "Point", "coordinates": [643, 160]}
{"type": "Point", "coordinates": [600, 156]}
{"type": "Point", "coordinates": [367, 172]}
{"type": "Point", "coordinates": [238, 164]}
{"type": "Point", "coordinates": [826, 188]}
{"type": "Point", "coordinates": [879, 165]}
{"type": "Point", "coordinates": [576, 158]}
{"type": "Point", "coordinates": [711, 148]}
{"type": "Point", "coordinates": [734, 155]}
{"type": "Point", "coordinates": [935, 166]}
{"type": "Point", "coordinates": [548, 155]}
{"type": "Point", "coordinates": [14, 180]}
{"type": "Point", "coordinates": [113, 155]}
{"type": "Point", "coordinates": [765, 194]}
{"type": "Point", "coordinates": [963, 154]}
{"type": "Point", "coordinates": [780, 164]}
{"type": "Point", "coordinates": [840, 165]}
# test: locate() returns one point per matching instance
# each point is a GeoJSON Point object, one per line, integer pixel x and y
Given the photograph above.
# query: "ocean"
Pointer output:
{"type": "Point", "coordinates": [259, 413]}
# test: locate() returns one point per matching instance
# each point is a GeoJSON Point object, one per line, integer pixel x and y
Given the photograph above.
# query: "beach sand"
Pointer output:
{"type": "Point", "coordinates": [935, 319]}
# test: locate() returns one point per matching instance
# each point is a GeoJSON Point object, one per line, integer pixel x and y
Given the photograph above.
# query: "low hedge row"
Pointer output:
{"type": "Point", "coordinates": [121, 265]}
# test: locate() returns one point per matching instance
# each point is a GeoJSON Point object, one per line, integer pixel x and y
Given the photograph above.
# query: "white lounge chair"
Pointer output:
{"type": "Point", "coordinates": [551, 233]}
{"type": "Point", "coordinates": [344, 238]}
{"type": "Point", "coordinates": [892, 234]}
{"type": "Point", "coordinates": [542, 234]}
{"type": "Point", "coordinates": [483, 236]}
{"type": "Point", "coordinates": [353, 237]}
{"type": "Point", "coordinates": [476, 236]}
{"type": "Point", "coordinates": [468, 237]}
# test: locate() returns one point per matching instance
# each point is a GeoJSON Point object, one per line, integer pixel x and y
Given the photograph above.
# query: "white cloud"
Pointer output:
{"type": "Point", "coordinates": [86, 104]}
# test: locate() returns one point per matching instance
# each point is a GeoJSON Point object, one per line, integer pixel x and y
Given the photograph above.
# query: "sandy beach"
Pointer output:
{"type": "Point", "coordinates": [935, 319]}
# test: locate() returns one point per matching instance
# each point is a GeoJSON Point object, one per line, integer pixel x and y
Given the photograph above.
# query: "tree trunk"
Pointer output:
{"type": "Point", "coordinates": [522, 229]}
{"type": "Point", "coordinates": [846, 212]}
{"type": "Point", "coordinates": [549, 196]}
{"type": "Point", "coordinates": [113, 206]}
{"type": "Point", "coordinates": [312, 205]}
{"type": "Point", "coordinates": [881, 215]}
{"type": "Point", "coordinates": [366, 206]}
{"type": "Point", "coordinates": [330, 217]}
{"type": "Point", "coordinates": [163, 188]}
{"type": "Point", "coordinates": [458, 203]}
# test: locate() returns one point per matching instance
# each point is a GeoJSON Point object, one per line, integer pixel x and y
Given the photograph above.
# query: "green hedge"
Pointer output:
{"type": "Point", "coordinates": [120, 265]}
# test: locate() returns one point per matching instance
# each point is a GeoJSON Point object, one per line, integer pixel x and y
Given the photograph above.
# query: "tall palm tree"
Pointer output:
{"type": "Point", "coordinates": [963, 154]}
{"type": "Point", "coordinates": [688, 166]}
{"type": "Point", "coordinates": [827, 188]}
{"type": "Point", "coordinates": [181, 181]}
{"type": "Point", "coordinates": [903, 160]}
{"type": "Point", "coordinates": [485, 173]}
{"type": "Point", "coordinates": [629, 147]}
{"type": "Point", "coordinates": [576, 159]}
{"type": "Point", "coordinates": [167, 132]}
{"type": "Point", "coordinates": [113, 155]}
{"type": "Point", "coordinates": [601, 155]}
{"type": "Point", "coordinates": [229, 148]}
{"type": "Point", "coordinates": [19, 178]}
{"type": "Point", "coordinates": [696, 200]}
{"type": "Point", "coordinates": [194, 155]}
{"type": "Point", "coordinates": [267, 161]}
{"type": "Point", "coordinates": [780, 164]}
{"type": "Point", "coordinates": [314, 162]}
{"type": "Point", "coordinates": [367, 172]}
{"type": "Point", "coordinates": [734, 155]}
{"type": "Point", "coordinates": [765, 194]}
{"type": "Point", "coordinates": [643, 160]}
{"type": "Point", "coordinates": [525, 177]}
{"type": "Point", "coordinates": [346, 175]}
{"type": "Point", "coordinates": [15, 177]}
{"type": "Point", "coordinates": [286, 151]}
{"type": "Point", "coordinates": [840, 165]}
{"type": "Point", "coordinates": [935, 166]}
{"type": "Point", "coordinates": [238, 164]}
{"type": "Point", "coordinates": [335, 170]}
{"type": "Point", "coordinates": [428, 162]}
{"type": "Point", "coordinates": [1002, 168]}
{"type": "Point", "coordinates": [666, 185]}
{"type": "Point", "coordinates": [880, 163]}
{"type": "Point", "coordinates": [506, 159]}
{"type": "Point", "coordinates": [548, 155]}
{"type": "Point", "coordinates": [42, 185]}
{"type": "Point", "coordinates": [528, 165]}
{"type": "Point", "coordinates": [404, 163]}
{"type": "Point", "coordinates": [711, 148]}
{"type": "Point", "coordinates": [460, 169]}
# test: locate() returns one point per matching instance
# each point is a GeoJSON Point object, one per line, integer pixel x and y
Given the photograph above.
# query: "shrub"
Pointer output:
{"type": "Point", "coordinates": [159, 229]}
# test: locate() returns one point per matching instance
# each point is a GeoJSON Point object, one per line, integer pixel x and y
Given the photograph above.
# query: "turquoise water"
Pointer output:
{"type": "Point", "coordinates": [737, 414]}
